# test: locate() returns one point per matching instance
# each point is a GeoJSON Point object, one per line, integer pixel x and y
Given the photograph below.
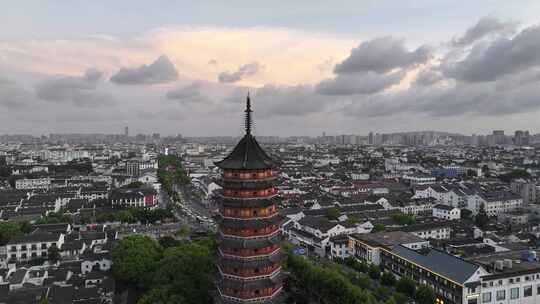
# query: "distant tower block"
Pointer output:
{"type": "Point", "coordinates": [249, 252]}
{"type": "Point", "coordinates": [126, 132]}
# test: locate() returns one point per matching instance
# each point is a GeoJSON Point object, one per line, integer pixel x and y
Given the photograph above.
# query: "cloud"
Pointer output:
{"type": "Point", "coordinates": [360, 83]}
{"type": "Point", "coordinates": [244, 71]}
{"type": "Point", "coordinates": [160, 71]}
{"type": "Point", "coordinates": [382, 55]}
{"type": "Point", "coordinates": [478, 99]}
{"type": "Point", "coordinates": [12, 96]}
{"type": "Point", "coordinates": [272, 100]}
{"type": "Point", "coordinates": [486, 26]}
{"type": "Point", "coordinates": [488, 62]}
{"type": "Point", "coordinates": [190, 93]}
{"type": "Point", "coordinates": [428, 77]}
{"type": "Point", "coordinates": [79, 90]}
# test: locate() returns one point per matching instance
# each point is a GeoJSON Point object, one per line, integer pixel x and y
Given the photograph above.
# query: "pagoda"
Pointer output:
{"type": "Point", "coordinates": [249, 260]}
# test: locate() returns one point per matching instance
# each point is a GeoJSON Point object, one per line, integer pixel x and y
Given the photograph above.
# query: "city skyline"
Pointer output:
{"type": "Point", "coordinates": [314, 69]}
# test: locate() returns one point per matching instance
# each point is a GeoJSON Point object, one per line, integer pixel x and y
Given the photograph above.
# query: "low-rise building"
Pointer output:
{"type": "Point", "coordinates": [446, 212]}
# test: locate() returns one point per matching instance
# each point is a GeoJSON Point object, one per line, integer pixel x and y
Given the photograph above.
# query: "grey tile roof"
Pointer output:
{"type": "Point", "coordinates": [444, 264]}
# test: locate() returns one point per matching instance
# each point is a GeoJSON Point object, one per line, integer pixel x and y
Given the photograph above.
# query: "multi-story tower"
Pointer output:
{"type": "Point", "coordinates": [249, 259]}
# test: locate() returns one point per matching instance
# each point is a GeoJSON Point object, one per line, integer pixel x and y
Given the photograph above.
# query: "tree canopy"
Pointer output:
{"type": "Point", "coordinates": [135, 259]}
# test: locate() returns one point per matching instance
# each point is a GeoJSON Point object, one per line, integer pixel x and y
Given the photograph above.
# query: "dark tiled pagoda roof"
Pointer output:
{"type": "Point", "coordinates": [249, 243]}
{"type": "Point", "coordinates": [252, 284]}
{"type": "Point", "coordinates": [255, 223]}
{"type": "Point", "coordinates": [251, 263]}
{"type": "Point", "coordinates": [248, 154]}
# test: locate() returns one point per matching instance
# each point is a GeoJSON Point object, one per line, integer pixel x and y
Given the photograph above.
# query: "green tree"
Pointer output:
{"type": "Point", "coordinates": [403, 219]}
{"type": "Point", "coordinates": [481, 219]}
{"type": "Point", "coordinates": [187, 271]}
{"type": "Point", "coordinates": [161, 295]}
{"type": "Point", "coordinates": [424, 295]}
{"type": "Point", "coordinates": [378, 227]}
{"type": "Point", "coordinates": [332, 213]}
{"type": "Point", "coordinates": [400, 298]}
{"type": "Point", "coordinates": [125, 216]}
{"type": "Point", "coordinates": [135, 259]}
{"type": "Point", "coordinates": [406, 285]}
{"type": "Point", "coordinates": [8, 230]}
{"type": "Point", "coordinates": [184, 231]}
{"type": "Point", "coordinates": [135, 184]}
{"type": "Point", "coordinates": [388, 279]}
{"type": "Point", "coordinates": [374, 272]}
{"type": "Point", "coordinates": [53, 254]}
{"type": "Point", "coordinates": [382, 293]}
{"type": "Point", "coordinates": [168, 241]}
{"type": "Point", "coordinates": [466, 213]}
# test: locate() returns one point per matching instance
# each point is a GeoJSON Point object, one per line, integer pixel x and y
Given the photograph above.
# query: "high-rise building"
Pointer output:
{"type": "Point", "coordinates": [521, 138]}
{"type": "Point", "coordinates": [249, 252]}
{"type": "Point", "coordinates": [498, 137]}
{"type": "Point", "coordinates": [126, 132]}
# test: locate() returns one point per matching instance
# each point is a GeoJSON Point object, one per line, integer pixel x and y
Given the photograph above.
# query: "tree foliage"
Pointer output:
{"type": "Point", "coordinates": [325, 284]}
{"type": "Point", "coordinates": [53, 254]}
{"type": "Point", "coordinates": [403, 219]}
{"type": "Point", "coordinates": [514, 174]}
{"type": "Point", "coordinates": [481, 219]}
{"type": "Point", "coordinates": [186, 271]}
{"type": "Point", "coordinates": [332, 213]}
{"type": "Point", "coordinates": [135, 259]}
{"type": "Point", "coordinates": [424, 295]}
{"type": "Point", "coordinates": [406, 286]}
{"type": "Point", "coordinates": [170, 172]}
{"type": "Point", "coordinates": [55, 218]}
{"type": "Point", "coordinates": [10, 229]}
{"type": "Point", "coordinates": [388, 279]}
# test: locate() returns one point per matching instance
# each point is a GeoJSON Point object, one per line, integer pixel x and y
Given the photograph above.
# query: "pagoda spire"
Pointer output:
{"type": "Point", "coordinates": [248, 112]}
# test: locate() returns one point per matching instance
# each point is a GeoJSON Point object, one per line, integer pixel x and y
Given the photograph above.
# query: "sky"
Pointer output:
{"type": "Point", "coordinates": [340, 67]}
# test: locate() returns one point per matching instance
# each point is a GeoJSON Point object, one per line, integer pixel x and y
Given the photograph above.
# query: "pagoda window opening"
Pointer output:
{"type": "Point", "coordinates": [256, 270]}
{"type": "Point", "coordinates": [235, 270]}
{"type": "Point", "coordinates": [255, 212]}
{"type": "Point", "coordinates": [257, 291]}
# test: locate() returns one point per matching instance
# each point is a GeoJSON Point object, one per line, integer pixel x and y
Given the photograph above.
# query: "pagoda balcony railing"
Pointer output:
{"type": "Point", "coordinates": [248, 179]}
{"type": "Point", "coordinates": [243, 194]}
{"type": "Point", "coordinates": [220, 193]}
{"type": "Point", "coordinates": [246, 216]}
{"type": "Point", "coordinates": [221, 254]}
{"type": "Point", "coordinates": [249, 256]}
{"type": "Point", "coordinates": [250, 175]}
{"type": "Point", "coordinates": [252, 237]}
{"type": "Point", "coordinates": [250, 277]}
{"type": "Point", "coordinates": [263, 297]}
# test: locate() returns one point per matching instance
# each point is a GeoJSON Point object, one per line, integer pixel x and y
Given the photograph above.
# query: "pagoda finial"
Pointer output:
{"type": "Point", "coordinates": [248, 115]}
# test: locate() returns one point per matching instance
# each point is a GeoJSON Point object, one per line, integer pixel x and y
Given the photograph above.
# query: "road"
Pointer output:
{"type": "Point", "coordinates": [189, 210]}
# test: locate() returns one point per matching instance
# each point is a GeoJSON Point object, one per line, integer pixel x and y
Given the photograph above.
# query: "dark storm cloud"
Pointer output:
{"type": "Point", "coordinates": [13, 96]}
{"type": "Point", "coordinates": [382, 55]}
{"type": "Point", "coordinates": [160, 71]}
{"type": "Point", "coordinates": [360, 83]}
{"type": "Point", "coordinates": [501, 57]}
{"type": "Point", "coordinates": [485, 27]}
{"type": "Point", "coordinates": [484, 99]}
{"type": "Point", "coordinates": [189, 93]}
{"type": "Point", "coordinates": [80, 91]}
{"type": "Point", "coordinates": [288, 100]}
{"type": "Point", "coordinates": [244, 71]}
